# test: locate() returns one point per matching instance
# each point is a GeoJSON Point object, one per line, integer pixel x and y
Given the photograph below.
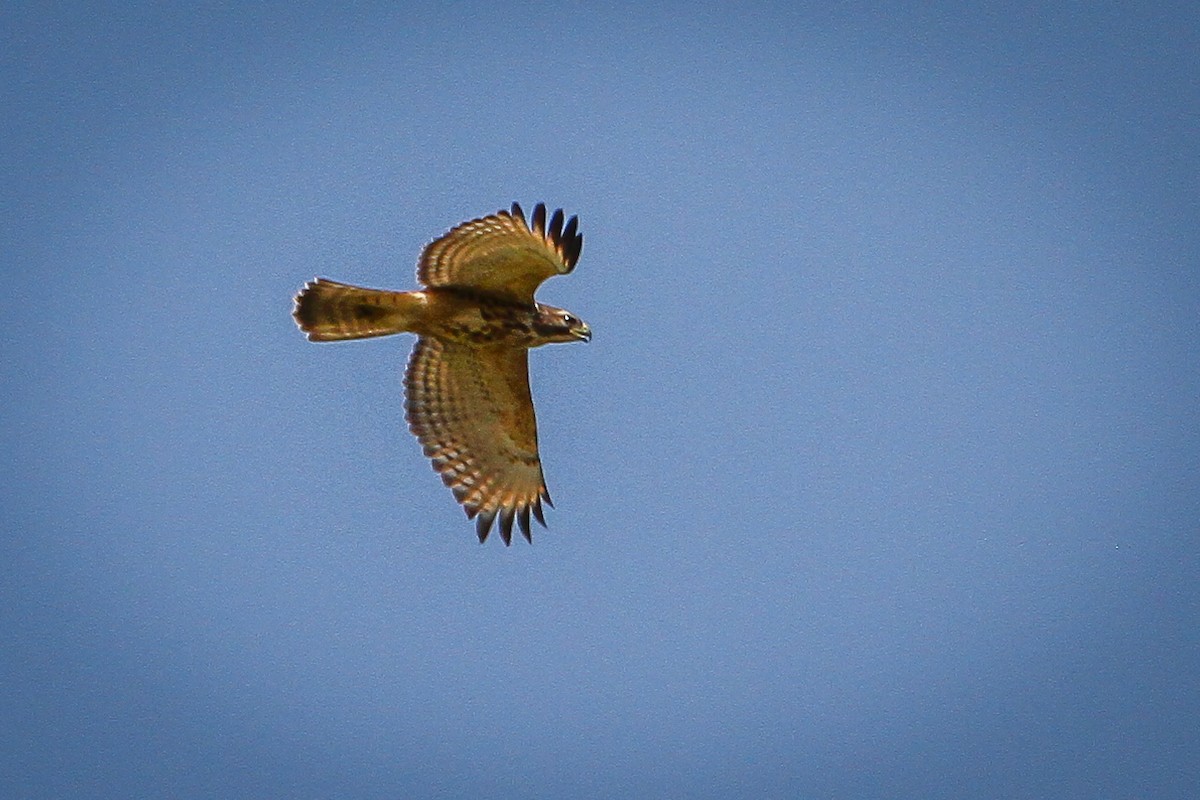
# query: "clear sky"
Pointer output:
{"type": "Point", "coordinates": [880, 478]}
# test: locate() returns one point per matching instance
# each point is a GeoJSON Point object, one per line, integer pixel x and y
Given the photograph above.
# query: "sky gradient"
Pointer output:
{"type": "Point", "coordinates": [880, 477]}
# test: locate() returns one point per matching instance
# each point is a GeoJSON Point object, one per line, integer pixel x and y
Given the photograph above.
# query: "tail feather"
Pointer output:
{"type": "Point", "coordinates": [329, 311]}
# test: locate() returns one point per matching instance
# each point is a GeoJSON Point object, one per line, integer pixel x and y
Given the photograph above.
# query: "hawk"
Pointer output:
{"type": "Point", "coordinates": [467, 396]}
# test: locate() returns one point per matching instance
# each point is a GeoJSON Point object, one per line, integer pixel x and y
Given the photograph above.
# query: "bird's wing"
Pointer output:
{"type": "Point", "coordinates": [471, 409]}
{"type": "Point", "coordinates": [503, 255]}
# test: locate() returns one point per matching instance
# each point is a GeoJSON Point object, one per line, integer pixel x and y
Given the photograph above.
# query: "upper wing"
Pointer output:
{"type": "Point", "coordinates": [471, 409]}
{"type": "Point", "coordinates": [501, 254]}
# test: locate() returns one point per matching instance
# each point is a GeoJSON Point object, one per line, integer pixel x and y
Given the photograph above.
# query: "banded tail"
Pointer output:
{"type": "Point", "coordinates": [329, 311]}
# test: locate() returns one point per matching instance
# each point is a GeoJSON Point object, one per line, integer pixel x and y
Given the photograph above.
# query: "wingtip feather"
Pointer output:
{"type": "Point", "coordinates": [539, 219]}
{"type": "Point", "coordinates": [483, 525]}
{"type": "Point", "coordinates": [506, 524]}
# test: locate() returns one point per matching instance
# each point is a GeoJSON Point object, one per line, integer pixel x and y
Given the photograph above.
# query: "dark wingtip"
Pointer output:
{"type": "Point", "coordinates": [506, 525]}
{"type": "Point", "coordinates": [523, 521]}
{"type": "Point", "coordinates": [539, 219]}
{"type": "Point", "coordinates": [572, 243]}
{"type": "Point", "coordinates": [565, 238]}
{"type": "Point", "coordinates": [483, 525]}
{"type": "Point", "coordinates": [537, 512]}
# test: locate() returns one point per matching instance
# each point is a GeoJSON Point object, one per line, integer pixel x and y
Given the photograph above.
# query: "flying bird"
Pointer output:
{"type": "Point", "coordinates": [467, 397]}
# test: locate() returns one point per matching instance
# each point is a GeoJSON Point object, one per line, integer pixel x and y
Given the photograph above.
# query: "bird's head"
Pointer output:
{"type": "Point", "coordinates": [559, 325]}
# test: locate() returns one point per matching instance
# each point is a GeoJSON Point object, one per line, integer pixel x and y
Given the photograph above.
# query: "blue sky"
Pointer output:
{"type": "Point", "coordinates": [880, 477]}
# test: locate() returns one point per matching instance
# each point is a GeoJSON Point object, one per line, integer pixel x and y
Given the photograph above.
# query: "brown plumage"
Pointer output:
{"type": "Point", "coordinates": [467, 383]}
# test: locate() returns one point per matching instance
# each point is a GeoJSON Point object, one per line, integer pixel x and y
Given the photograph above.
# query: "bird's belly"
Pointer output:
{"type": "Point", "coordinates": [481, 324]}
{"type": "Point", "coordinates": [486, 332]}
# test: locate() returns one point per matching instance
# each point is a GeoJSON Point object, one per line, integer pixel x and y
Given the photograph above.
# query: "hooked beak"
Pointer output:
{"type": "Point", "coordinates": [583, 333]}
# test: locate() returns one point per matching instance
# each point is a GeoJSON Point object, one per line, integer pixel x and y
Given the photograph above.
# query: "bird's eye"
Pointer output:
{"type": "Point", "coordinates": [567, 318]}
